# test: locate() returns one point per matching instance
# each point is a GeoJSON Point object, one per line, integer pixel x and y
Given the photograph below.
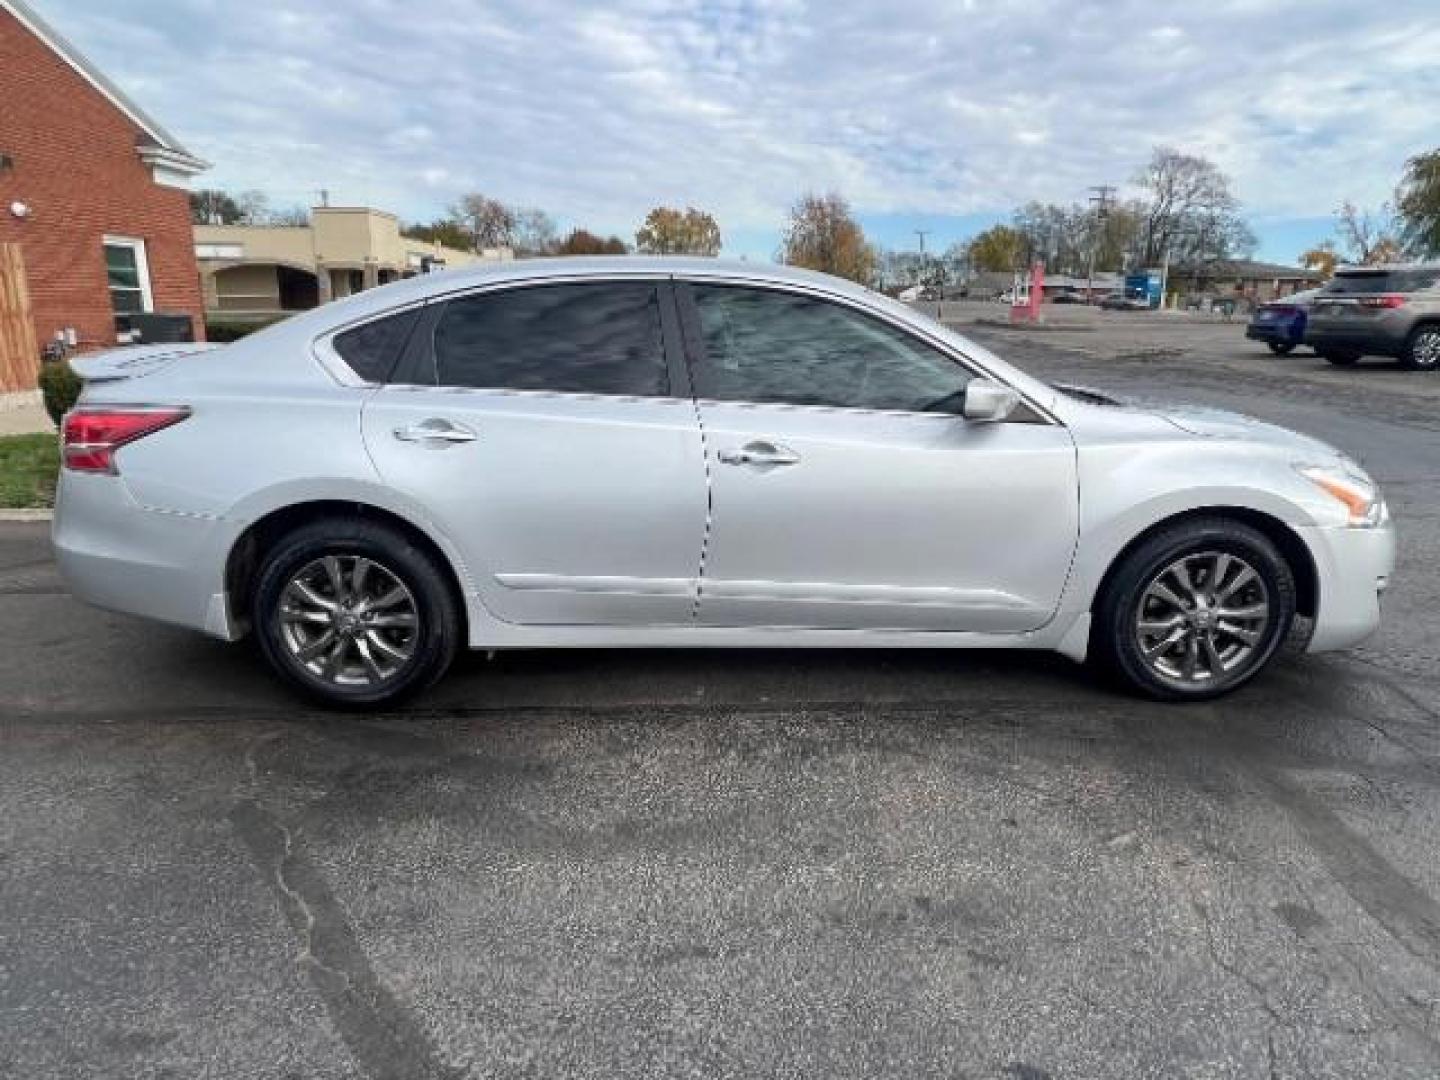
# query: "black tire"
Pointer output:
{"type": "Point", "coordinates": [1116, 644]}
{"type": "Point", "coordinates": [1281, 348]}
{"type": "Point", "coordinates": [1422, 349]}
{"type": "Point", "coordinates": [430, 638]}
{"type": "Point", "coordinates": [1340, 359]}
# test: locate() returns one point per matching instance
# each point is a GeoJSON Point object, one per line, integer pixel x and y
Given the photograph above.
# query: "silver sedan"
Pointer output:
{"type": "Point", "coordinates": [670, 452]}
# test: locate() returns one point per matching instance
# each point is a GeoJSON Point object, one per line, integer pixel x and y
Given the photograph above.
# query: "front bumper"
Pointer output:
{"type": "Point", "coordinates": [116, 554]}
{"type": "Point", "coordinates": [1354, 568]}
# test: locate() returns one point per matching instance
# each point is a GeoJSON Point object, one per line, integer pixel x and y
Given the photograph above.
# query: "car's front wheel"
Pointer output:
{"type": "Point", "coordinates": [354, 614]}
{"type": "Point", "coordinates": [1195, 611]}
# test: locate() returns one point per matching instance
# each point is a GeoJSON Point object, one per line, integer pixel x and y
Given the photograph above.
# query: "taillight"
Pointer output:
{"type": "Point", "coordinates": [1383, 300]}
{"type": "Point", "coordinates": [90, 436]}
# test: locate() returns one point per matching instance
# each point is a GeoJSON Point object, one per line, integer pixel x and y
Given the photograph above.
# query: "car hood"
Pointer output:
{"type": "Point", "coordinates": [1211, 423]}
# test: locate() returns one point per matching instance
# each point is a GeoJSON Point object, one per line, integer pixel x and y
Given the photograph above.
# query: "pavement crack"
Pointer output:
{"type": "Point", "coordinates": [386, 1041]}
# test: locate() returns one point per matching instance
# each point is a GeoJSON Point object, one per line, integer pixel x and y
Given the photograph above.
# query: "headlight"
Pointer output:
{"type": "Point", "coordinates": [1350, 486]}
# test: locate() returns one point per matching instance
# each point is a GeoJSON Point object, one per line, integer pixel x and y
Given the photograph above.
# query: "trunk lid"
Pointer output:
{"type": "Point", "coordinates": [134, 361]}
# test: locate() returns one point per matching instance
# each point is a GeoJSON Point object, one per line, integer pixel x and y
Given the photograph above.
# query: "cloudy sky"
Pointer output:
{"type": "Point", "coordinates": [934, 115]}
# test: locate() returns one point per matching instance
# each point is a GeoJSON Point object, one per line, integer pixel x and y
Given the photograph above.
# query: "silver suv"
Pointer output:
{"type": "Point", "coordinates": [1379, 311]}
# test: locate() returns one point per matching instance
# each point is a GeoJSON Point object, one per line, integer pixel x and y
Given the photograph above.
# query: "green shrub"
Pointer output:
{"type": "Point", "coordinates": [222, 333]}
{"type": "Point", "coordinates": [60, 387]}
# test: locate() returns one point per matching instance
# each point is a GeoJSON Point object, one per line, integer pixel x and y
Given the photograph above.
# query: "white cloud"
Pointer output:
{"type": "Point", "coordinates": [595, 113]}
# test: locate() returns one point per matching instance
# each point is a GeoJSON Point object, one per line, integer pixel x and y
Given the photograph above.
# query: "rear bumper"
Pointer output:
{"type": "Point", "coordinates": [1367, 340]}
{"type": "Point", "coordinates": [116, 554]}
{"type": "Point", "coordinates": [1354, 567]}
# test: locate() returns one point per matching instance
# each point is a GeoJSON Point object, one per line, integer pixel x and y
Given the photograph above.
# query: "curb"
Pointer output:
{"type": "Point", "coordinates": [27, 515]}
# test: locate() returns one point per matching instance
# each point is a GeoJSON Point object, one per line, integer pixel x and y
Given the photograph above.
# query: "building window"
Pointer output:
{"type": "Point", "coordinates": [129, 275]}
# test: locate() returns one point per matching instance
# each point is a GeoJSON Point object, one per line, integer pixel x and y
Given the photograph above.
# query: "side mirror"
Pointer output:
{"type": "Point", "coordinates": [988, 401]}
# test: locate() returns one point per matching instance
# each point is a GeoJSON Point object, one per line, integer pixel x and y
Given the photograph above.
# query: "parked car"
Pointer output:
{"type": "Point", "coordinates": [1121, 302]}
{"type": "Point", "coordinates": [684, 452]}
{"type": "Point", "coordinates": [1280, 323]}
{"type": "Point", "coordinates": [1379, 311]}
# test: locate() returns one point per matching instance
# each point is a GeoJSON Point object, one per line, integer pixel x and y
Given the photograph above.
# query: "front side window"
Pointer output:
{"type": "Point", "coordinates": [763, 346]}
{"type": "Point", "coordinates": [601, 338]}
{"type": "Point", "coordinates": [128, 274]}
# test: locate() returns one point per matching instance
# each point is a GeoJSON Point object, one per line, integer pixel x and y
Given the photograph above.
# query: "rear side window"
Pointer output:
{"type": "Point", "coordinates": [1386, 281]}
{"type": "Point", "coordinates": [601, 338]}
{"type": "Point", "coordinates": [372, 350]}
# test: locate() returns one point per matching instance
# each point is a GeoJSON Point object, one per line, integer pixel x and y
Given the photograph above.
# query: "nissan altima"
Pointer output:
{"type": "Point", "coordinates": [671, 452]}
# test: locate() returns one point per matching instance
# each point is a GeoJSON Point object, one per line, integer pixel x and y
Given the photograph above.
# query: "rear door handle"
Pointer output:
{"type": "Point", "coordinates": [435, 430]}
{"type": "Point", "coordinates": [759, 453]}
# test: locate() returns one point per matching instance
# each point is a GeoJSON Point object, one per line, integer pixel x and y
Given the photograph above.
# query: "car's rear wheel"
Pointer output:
{"type": "Point", "coordinates": [1422, 350]}
{"type": "Point", "coordinates": [1281, 348]}
{"type": "Point", "coordinates": [1195, 611]}
{"type": "Point", "coordinates": [354, 614]}
{"type": "Point", "coordinates": [1340, 359]}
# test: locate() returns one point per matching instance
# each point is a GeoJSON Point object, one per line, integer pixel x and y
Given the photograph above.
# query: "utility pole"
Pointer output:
{"type": "Point", "coordinates": [1102, 198]}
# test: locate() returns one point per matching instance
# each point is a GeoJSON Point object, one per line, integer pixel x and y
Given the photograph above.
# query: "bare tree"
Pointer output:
{"type": "Point", "coordinates": [1189, 211]}
{"type": "Point", "coordinates": [487, 222]}
{"type": "Point", "coordinates": [534, 232]}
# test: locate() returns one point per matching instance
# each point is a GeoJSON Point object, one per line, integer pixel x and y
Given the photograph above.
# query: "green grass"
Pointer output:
{"type": "Point", "coordinates": [29, 466]}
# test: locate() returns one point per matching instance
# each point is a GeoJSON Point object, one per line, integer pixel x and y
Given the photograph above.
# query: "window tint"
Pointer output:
{"type": "Point", "coordinates": [1385, 281]}
{"type": "Point", "coordinates": [372, 350]}
{"type": "Point", "coordinates": [765, 346]}
{"type": "Point", "coordinates": [597, 339]}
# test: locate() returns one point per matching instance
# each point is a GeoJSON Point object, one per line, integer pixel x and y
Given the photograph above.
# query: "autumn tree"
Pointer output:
{"type": "Point", "coordinates": [823, 235]}
{"type": "Point", "coordinates": [1418, 203]}
{"type": "Point", "coordinates": [1370, 237]}
{"type": "Point", "coordinates": [584, 242]}
{"type": "Point", "coordinates": [998, 248]}
{"type": "Point", "coordinates": [1321, 258]}
{"type": "Point", "coordinates": [678, 232]}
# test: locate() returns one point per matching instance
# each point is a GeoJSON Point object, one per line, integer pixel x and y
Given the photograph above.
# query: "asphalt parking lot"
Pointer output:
{"type": "Point", "coordinates": [743, 864]}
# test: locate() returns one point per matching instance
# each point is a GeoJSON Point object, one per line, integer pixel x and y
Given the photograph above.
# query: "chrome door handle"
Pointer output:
{"type": "Point", "coordinates": [435, 430]}
{"type": "Point", "coordinates": [759, 453]}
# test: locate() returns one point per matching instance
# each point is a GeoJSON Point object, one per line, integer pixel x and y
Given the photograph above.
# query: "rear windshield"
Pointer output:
{"type": "Point", "coordinates": [1385, 281]}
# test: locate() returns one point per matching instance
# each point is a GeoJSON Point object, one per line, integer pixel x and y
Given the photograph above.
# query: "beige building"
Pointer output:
{"type": "Point", "coordinates": [253, 272]}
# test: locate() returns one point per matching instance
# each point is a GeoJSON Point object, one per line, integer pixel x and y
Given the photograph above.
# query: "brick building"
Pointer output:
{"type": "Point", "coordinates": [93, 206]}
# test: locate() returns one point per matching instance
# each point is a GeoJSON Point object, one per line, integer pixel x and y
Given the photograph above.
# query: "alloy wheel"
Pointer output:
{"type": "Point", "coordinates": [348, 620]}
{"type": "Point", "coordinates": [1425, 351]}
{"type": "Point", "coordinates": [1202, 619]}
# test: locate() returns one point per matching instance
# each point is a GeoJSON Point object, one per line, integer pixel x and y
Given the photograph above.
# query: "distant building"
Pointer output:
{"type": "Point", "coordinates": [254, 273]}
{"type": "Point", "coordinates": [94, 218]}
{"type": "Point", "coordinates": [1244, 279]}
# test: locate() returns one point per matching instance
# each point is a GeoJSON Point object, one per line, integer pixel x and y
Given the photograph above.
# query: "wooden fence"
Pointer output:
{"type": "Point", "coordinates": [19, 355]}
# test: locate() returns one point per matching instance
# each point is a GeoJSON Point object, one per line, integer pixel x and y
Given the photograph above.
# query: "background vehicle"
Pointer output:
{"type": "Point", "coordinates": [1121, 302]}
{"type": "Point", "coordinates": [1379, 311]}
{"type": "Point", "coordinates": [672, 452]}
{"type": "Point", "coordinates": [1280, 323]}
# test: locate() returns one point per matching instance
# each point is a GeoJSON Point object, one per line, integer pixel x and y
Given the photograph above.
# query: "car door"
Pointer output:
{"type": "Point", "coordinates": [846, 489]}
{"type": "Point", "coordinates": [536, 426]}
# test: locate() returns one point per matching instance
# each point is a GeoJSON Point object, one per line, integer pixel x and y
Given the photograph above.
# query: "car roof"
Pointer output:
{"type": "Point", "coordinates": [567, 267]}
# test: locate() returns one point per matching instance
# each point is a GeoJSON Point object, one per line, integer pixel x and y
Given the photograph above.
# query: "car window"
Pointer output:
{"type": "Point", "coordinates": [767, 346]}
{"type": "Point", "coordinates": [601, 338]}
{"type": "Point", "coordinates": [372, 350]}
{"type": "Point", "coordinates": [1386, 281]}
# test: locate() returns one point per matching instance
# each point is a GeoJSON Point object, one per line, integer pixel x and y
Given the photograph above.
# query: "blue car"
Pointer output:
{"type": "Point", "coordinates": [1281, 323]}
